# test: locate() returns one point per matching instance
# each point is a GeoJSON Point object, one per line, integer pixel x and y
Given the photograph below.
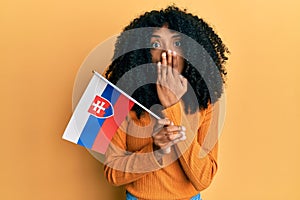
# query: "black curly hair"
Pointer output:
{"type": "Point", "coordinates": [201, 57]}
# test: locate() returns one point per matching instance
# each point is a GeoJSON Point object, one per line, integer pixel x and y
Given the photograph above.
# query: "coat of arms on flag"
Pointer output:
{"type": "Point", "coordinates": [101, 108]}
{"type": "Point", "coordinates": [100, 111]}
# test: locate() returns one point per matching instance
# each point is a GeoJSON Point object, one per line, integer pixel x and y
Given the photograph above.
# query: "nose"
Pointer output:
{"type": "Point", "coordinates": [168, 46]}
{"type": "Point", "coordinates": [165, 47]}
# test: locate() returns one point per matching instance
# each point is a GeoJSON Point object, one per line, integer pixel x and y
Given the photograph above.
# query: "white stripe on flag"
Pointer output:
{"type": "Point", "coordinates": [81, 114]}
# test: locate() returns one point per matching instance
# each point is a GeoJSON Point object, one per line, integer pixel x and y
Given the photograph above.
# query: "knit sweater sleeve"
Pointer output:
{"type": "Point", "coordinates": [198, 153]}
{"type": "Point", "coordinates": [122, 167]}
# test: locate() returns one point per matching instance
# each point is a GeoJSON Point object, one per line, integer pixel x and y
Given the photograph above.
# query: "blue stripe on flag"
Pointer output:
{"type": "Point", "coordinates": [110, 94]}
{"type": "Point", "coordinates": [90, 131]}
{"type": "Point", "coordinates": [93, 124]}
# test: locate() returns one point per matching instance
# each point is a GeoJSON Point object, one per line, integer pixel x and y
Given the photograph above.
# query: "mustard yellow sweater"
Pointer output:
{"type": "Point", "coordinates": [188, 169]}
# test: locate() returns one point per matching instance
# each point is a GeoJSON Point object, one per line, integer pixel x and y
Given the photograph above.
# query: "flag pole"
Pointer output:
{"type": "Point", "coordinates": [129, 97]}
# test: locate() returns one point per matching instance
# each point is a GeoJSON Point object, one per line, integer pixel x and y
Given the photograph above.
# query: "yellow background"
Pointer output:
{"type": "Point", "coordinates": [43, 43]}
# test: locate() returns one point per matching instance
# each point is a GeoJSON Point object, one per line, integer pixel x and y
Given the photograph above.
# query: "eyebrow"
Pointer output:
{"type": "Point", "coordinates": [158, 36]}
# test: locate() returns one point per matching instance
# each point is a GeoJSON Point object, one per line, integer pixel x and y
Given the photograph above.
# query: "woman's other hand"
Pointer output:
{"type": "Point", "coordinates": [167, 134]}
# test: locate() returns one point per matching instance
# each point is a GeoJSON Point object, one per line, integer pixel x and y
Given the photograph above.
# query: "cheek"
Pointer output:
{"type": "Point", "coordinates": [156, 55]}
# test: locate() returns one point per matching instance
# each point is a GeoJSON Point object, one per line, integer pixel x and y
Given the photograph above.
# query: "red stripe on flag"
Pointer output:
{"type": "Point", "coordinates": [111, 124]}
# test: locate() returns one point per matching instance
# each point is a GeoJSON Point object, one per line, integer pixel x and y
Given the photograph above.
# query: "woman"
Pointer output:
{"type": "Point", "coordinates": [173, 59]}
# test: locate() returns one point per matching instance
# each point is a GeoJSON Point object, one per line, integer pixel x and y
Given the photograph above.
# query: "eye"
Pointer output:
{"type": "Point", "coordinates": [155, 44]}
{"type": "Point", "coordinates": [177, 44]}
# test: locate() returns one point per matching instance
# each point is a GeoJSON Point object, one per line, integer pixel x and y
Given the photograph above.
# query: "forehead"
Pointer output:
{"type": "Point", "coordinates": [164, 32]}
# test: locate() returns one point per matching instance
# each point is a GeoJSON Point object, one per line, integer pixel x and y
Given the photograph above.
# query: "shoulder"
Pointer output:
{"type": "Point", "coordinates": [209, 113]}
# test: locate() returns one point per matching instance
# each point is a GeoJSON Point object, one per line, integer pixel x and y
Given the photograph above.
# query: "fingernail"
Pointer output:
{"type": "Point", "coordinates": [164, 54]}
{"type": "Point", "coordinates": [159, 63]}
{"type": "Point", "coordinates": [169, 51]}
{"type": "Point", "coordinates": [182, 133]}
{"type": "Point", "coordinates": [183, 138]}
{"type": "Point", "coordinates": [172, 123]}
{"type": "Point", "coordinates": [183, 128]}
{"type": "Point", "coordinates": [174, 53]}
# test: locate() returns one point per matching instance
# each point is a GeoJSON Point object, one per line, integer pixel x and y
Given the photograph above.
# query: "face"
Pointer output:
{"type": "Point", "coordinates": [164, 39]}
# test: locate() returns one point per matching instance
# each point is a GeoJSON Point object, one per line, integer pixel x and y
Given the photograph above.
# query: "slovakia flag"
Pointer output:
{"type": "Point", "coordinates": [99, 113]}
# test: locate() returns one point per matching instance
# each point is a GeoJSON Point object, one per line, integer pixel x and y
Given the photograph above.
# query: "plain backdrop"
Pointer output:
{"type": "Point", "coordinates": [44, 43]}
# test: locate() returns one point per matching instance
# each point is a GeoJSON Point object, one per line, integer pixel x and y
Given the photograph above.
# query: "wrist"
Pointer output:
{"type": "Point", "coordinates": [169, 104]}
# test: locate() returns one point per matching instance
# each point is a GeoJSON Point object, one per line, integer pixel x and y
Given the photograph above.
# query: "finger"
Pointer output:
{"type": "Point", "coordinates": [175, 136]}
{"type": "Point", "coordinates": [185, 83]}
{"type": "Point", "coordinates": [173, 128]}
{"type": "Point", "coordinates": [167, 147]}
{"type": "Point", "coordinates": [170, 65]}
{"type": "Point", "coordinates": [164, 121]}
{"type": "Point", "coordinates": [160, 140]}
{"type": "Point", "coordinates": [178, 140]}
{"type": "Point", "coordinates": [175, 61]}
{"type": "Point", "coordinates": [169, 60]}
{"type": "Point", "coordinates": [183, 80]}
{"type": "Point", "coordinates": [164, 59]}
{"type": "Point", "coordinates": [160, 124]}
{"type": "Point", "coordinates": [159, 71]}
{"type": "Point", "coordinates": [164, 66]}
